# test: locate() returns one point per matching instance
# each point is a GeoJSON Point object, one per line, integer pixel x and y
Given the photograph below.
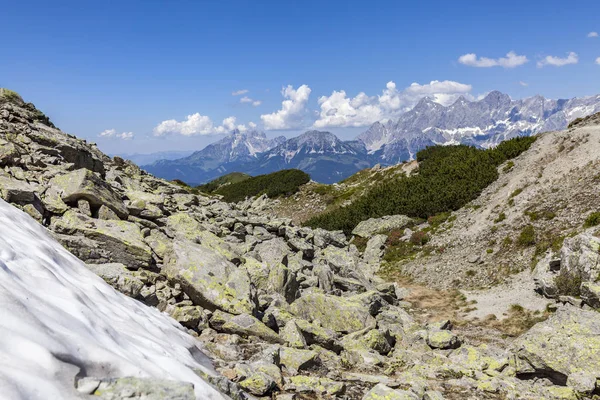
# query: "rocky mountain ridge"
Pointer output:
{"type": "Point", "coordinates": [283, 311]}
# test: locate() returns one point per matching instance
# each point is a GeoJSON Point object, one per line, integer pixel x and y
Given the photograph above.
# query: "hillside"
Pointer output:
{"type": "Point", "coordinates": [282, 311]}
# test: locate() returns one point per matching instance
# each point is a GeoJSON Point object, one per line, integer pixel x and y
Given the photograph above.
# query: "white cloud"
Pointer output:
{"type": "Point", "coordinates": [248, 100]}
{"type": "Point", "coordinates": [110, 133]}
{"type": "Point", "coordinates": [293, 110]}
{"type": "Point", "coordinates": [592, 34]}
{"type": "Point", "coordinates": [524, 84]}
{"type": "Point", "coordinates": [598, 60]}
{"type": "Point", "coordinates": [239, 92]}
{"type": "Point", "coordinates": [338, 110]}
{"type": "Point", "coordinates": [252, 125]}
{"type": "Point", "coordinates": [511, 60]}
{"type": "Point", "coordinates": [196, 124]}
{"type": "Point", "coordinates": [571, 58]}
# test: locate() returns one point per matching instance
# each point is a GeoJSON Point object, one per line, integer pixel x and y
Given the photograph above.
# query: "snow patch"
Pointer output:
{"type": "Point", "coordinates": [59, 319]}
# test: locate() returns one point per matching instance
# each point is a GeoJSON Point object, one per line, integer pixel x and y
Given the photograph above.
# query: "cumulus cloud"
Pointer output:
{"type": "Point", "coordinates": [112, 133]}
{"type": "Point", "coordinates": [239, 92]}
{"type": "Point", "coordinates": [571, 58]}
{"type": "Point", "coordinates": [511, 60]}
{"type": "Point", "coordinates": [339, 110]}
{"type": "Point", "coordinates": [598, 60]}
{"type": "Point", "coordinates": [293, 110]}
{"type": "Point", "coordinates": [592, 34]}
{"type": "Point", "coordinates": [196, 124]}
{"type": "Point", "coordinates": [248, 100]}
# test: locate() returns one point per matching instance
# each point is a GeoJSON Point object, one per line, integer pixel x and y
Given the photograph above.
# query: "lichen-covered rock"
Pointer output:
{"type": "Point", "coordinates": [258, 383]}
{"type": "Point", "coordinates": [313, 384]}
{"type": "Point", "coordinates": [119, 277]}
{"type": "Point", "coordinates": [335, 313]}
{"type": "Point", "coordinates": [442, 339]}
{"type": "Point", "coordinates": [272, 252]}
{"type": "Point", "coordinates": [16, 191]}
{"type": "Point", "coordinates": [84, 184]}
{"type": "Point", "coordinates": [209, 278]}
{"type": "Point", "coordinates": [565, 344]}
{"type": "Point", "coordinates": [382, 392]}
{"type": "Point", "coordinates": [590, 294]}
{"type": "Point", "coordinates": [292, 335]}
{"type": "Point", "coordinates": [374, 250]}
{"type": "Point", "coordinates": [375, 225]}
{"type": "Point", "coordinates": [580, 257]}
{"type": "Point", "coordinates": [296, 360]}
{"type": "Point", "coordinates": [188, 316]}
{"type": "Point", "coordinates": [107, 241]}
{"type": "Point", "coordinates": [243, 325]}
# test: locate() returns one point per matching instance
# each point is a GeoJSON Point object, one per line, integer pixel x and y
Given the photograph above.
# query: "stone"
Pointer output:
{"type": "Point", "coordinates": [374, 250]}
{"type": "Point", "coordinates": [375, 225]}
{"type": "Point", "coordinates": [209, 278]}
{"type": "Point", "coordinates": [335, 313]}
{"type": "Point", "coordinates": [244, 325]}
{"type": "Point", "coordinates": [566, 343]}
{"type": "Point", "coordinates": [340, 260]}
{"type": "Point", "coordinates": [382, 392]}
{"type": "Point", "coordinates": [107, 241]}
{"type": "Point", "coordinates": [188, 316]}
{"type": "Point", "coordinates": [15, 191]}
{"type": "Point", "coordinates": [325, 277]}
{"type": "Point", "coordinates": [84, 184]}
{"type": "Point", "coordinates": [375, 340]}
{"type": "Point", "coordinates": [313, 384]}
{"type": "Point", "coordinates": [442, 339]}
{"type": "Point", "coordinates": [297, 244]}
{"type": "Point", "coordinates": [296, 360]}
{"type": "Point", "coordinates": [323, 238]}
{"type": "Point", "coordinates": [272, 252]}
{"type": "Point", "coordinates": [84, 207]}
{"type": "Point", "coordinates": [317, 335]}
{"type": "Point", "coordinates": [158, 242]}
{"type": "Point", "coordinates": [583, 383]}
{"type": "Point", "coordinates": [106, 213]}
{"type": "Point", "coordinates": [118, 276]}
{"type": "Point", "coordinates": [292, 335]}
{"type": "Point", "coordinates": [258, 383]}
{"type": "Point", "coordinates": [580, 257]}
{"type": "Point", "coordinates": [590, 294]}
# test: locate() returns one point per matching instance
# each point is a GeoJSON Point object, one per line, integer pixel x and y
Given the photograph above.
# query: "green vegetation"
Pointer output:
{"type": "Point", "coordinates": [278, 183]}
{"type": "Point", "coordinates": [215, 184]}
{"type": "Point", "coordinates": [592, 220]}
{"type": "Point", "coordinates": [527, 236]}
{"type": "Point", "coordinates": [516, 192]}
{"type": "Point", "coordinates": [501, 217]}
{"type": "Point", "coordinates": [508, 166]}
{"type": "Point", "coordinates": [449, 177]}
{"type": "Point", "coordinates": [568, 284]}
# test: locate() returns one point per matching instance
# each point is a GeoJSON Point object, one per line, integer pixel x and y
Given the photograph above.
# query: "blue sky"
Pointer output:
{"type": "Point", "coordinates": [136, 70]}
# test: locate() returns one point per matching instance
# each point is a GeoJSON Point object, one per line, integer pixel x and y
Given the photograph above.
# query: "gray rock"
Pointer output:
{"type": "Point", "coordinates": [380, 391]}
{"type": "Point", "coordinates": [590, 294]}
{"type": "Point", "coordinates": [84, 184]}
{"type": "Point", "coordinates": [375, 225]}
{"type": "Point", "coordinates": [139, 389]}
{"type": "Point", "coordinates": [374, 250]}
{"type": "Point", "coordinates": [272, 252]}
{"type": "Point", "coordinates": [243, 325]}
{"type": "Point", "coordinates": [119, 277]}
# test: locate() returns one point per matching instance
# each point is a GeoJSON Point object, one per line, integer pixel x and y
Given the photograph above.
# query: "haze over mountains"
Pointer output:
{"type": "Point", "coordinates": [482, 123]}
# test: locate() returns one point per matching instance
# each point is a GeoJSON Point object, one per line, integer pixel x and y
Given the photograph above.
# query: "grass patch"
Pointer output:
{"type": "Point", "coordinates": [527, 236]}
{"type": "Point", "coordinates": [592, 220]}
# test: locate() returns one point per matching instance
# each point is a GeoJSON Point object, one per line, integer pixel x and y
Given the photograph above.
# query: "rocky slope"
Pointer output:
{"type": "Point", "coordinates": [283, 311]}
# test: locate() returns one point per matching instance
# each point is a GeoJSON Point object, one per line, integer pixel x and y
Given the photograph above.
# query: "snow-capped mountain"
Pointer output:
{"type": "Point", "coordinates": [327, 159]}
{"type": "Point", "coordinates": [216, 159]}
{"type": "Point", "coordinates": [321, 154]}
{"type": "Point", "coordinates": [482, 123]}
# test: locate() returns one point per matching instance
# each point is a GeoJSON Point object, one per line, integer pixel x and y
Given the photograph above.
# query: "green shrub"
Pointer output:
{"type": "Point", "coordinates": [568, 284]}
{"type": "Point", "coordinates": [228, 179]}
{"type": "Point", "coordinates": [592, 220]}
{"type": "Point", "coordinates": [419, 238]}
{"type": "Point", "coordinates": [439, 219]}
{"type": "Point", "coordinates": [516, 192]}
{"type": "Point", "coordinates": [284, 182]}
{"type": "Point", "coordinates": [527, 236]}
{"type": "Point", "coordinates": [449, 177]}
{"type": "Point", "coordinates": [508, 166]}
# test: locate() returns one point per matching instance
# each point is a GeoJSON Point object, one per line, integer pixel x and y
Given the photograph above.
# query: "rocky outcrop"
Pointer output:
{"type": "Point", "coordinates": [384, 224]}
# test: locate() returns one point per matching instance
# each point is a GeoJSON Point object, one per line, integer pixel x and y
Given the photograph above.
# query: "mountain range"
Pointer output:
{"type": "Point", "coordinates": [482, 123]}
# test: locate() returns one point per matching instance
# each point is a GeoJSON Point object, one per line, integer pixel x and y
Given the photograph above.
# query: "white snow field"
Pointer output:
{"type": "Point", "coordinates": [57, 318]}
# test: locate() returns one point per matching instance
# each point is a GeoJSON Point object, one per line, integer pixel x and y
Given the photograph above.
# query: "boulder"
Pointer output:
{"type": "Point", "coordinates": [84, 184]}
{"type": "Point", "coordinates": [295, 360]}
{"type": "Point", "coordinates": [580, 256]}
{"type": "Point", "coordinates": [375, 225]}
{"type": "Point", "coordinates": [107, 241]}
{"type": "Point", "coordinates": [136, 388]}
{"type": "Point", "coordinates": [209, 278]}
{"type": "Point", "coordinates": [293, 336]}
{"type": "Point", "coordinates": [16, 191]}
{"type": "Point", "coordinates": [374, 250]}
{"type": "Point", "coordinates": [272, 252]}
{"type": "Point", "coordinates": [335, 313]}
{"type": "Point", "coordinates": [314, 384]}
{"type": "Point", "coordinates": [381, 391]}
{"type": "Point", "coordinates": [442, 339]}
{"type": "Point", "coordinates": [566, 343]}
{"type": "Point", "coordinates": [119, 277]}
{"type": "Point", "coordinates": [323, 238]}
{"type": "Point", "coordinates": [243, 325]}
{"type": "Point", "coordinates": [590, 294]}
